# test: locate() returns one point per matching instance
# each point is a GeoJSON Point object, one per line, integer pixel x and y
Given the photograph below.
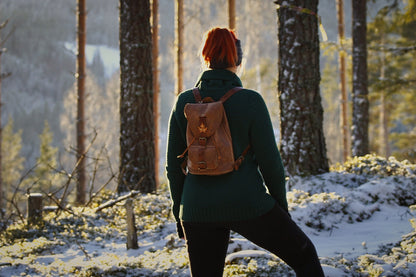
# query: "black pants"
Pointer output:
{"type": "Point", "coordinates": [274, 231]}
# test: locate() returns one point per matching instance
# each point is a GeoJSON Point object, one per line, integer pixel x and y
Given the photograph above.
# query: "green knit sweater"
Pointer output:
{"type": "Point", "coordinates": [244, 194]}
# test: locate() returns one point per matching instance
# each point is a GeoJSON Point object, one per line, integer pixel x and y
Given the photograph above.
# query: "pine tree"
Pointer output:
{"type": "Point", "coordinates": [392, 67]}
{"type": "Point", "coordinates": [180, 44]}
{"type": "Point", "coordinates": [12, 162]}
{"type": "Point", "coordinates": [360, 108]}
{"type": "Point", "coordinates": [98, 69]}
{"type": "Point", "coordinates": [45, 174]}
{"type": "Point", "coordinates": [301, 115]}
{"type": "Point", "coordinates": [102, 119]}
{"type": "Point", "coordinates": [343, 83]}
{"type": "Point", "coordinates": [231, 14]}
{"type": "Point", "coordinates": [156, 86]}
{"type": "Point", "coordinates": [137, 152]}
{"type": "Point", "coordinates": [330, 102]}
{"type": "Point", "coordinates": [2, 25]}
{"type": "Point", "coordinates": [80, 122]}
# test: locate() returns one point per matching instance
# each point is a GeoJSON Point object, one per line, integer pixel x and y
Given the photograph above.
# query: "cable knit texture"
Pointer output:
{"type": "Point", "coordinates": [244, 194]}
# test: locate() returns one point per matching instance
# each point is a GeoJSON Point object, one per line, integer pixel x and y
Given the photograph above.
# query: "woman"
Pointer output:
{"type": "Point", "coordinates": [250, 200]}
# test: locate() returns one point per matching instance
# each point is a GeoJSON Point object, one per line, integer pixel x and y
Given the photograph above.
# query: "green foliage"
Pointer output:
{"type": "Point", "coordinates": [258, 267]}
{"type": "Point", "coordinates": [102, 128]}
{"type": "Point", "coordinates": [372, 164]}
{"type": "Point", "coordinates": [330, 91]}
{"type": "Point", "coordinates": [391, 69]}
{"type": "Point", "coordinates": [12, 162]}
{"type": "Point", "coordinates": [45, 176]}
{"type": "Point", "coordinates": [262, 77]}
{"type": "Point", "coordinates": [83, 223]}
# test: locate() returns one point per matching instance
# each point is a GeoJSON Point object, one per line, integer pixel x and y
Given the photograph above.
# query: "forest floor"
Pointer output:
{"type": "Point", "coordinates": [360, 216]}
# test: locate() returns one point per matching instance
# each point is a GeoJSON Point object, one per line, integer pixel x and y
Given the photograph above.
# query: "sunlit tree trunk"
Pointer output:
{"type": "Point", "coordinates": [179, 29]}
{"type": "Point", "coordinates": [384, 141]}
{"type": "Point", "coordinates": [301, 115]}
{"type": "Point", "coordinates": [384, 128]}
{"type": "Point", "coordinates": [231, 14]}
{"type": "Point", "coordinates": [156, 88]}
{"type": "Point", "coordinates": [1, 128]}
{"type": "Point", "coordinates": [360, 109]}
{"type": "Point", "coordinates": [343, 84]}
{"type": "Point", "coordinates": [137, 151]}
{"type": "Point", "coordinates": [80, 124]}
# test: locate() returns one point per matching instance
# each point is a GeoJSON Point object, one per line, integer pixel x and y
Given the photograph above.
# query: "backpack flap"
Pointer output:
{"type": "Point", "coordinates": [203, 118]}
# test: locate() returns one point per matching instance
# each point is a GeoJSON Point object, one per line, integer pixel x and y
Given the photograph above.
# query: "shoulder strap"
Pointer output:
{"type": "Point", "coordinates": [197, 95]}
{"type": "Point", "coordinates": [230, 93]}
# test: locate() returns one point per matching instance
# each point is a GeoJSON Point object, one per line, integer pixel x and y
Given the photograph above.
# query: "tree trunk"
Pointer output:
{"type": "Point", "coordinates": [179, 28]}
{"type": "Point", "coordinates": [80, 124]}
{"type": "Point", "coordinates": [301, 115]}
{"type": "Point", "coordinates": [1, 139]}
{"type": "Point", "coordinates": [343, 84]}
{"type": "Point", "coordinates": [34, 209]}
{"type": "Point", "coordinates": [360, 108]}
{"type": "Point", "coordinates": [137, 151]}
{"type": "Point", "coordinates": [156, 89]}
{"type": "Point", "coordinates": [231, 14]}
{"type": "Point", "coordinates": [384, 135]}
{"type": "Point", "coordinates": [131, 225]}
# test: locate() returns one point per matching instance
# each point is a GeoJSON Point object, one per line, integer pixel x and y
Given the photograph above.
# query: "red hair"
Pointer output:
{"type": "Point", "coordinates": [219, 50]}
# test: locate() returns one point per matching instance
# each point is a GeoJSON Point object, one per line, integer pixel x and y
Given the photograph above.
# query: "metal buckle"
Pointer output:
{"type": "Point", "coordinates": [202, 165]}
{"type": "Point", "coordinates": [202, 141]}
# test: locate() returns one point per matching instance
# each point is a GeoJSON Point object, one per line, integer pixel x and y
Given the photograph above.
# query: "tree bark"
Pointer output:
{"type": "Point", "coordinates": [156, 89]}
{"type": "Point", "coordinates": [231, 14]}
{"type": "Point", "coordinates": [343, 84]}
{"type": "Point", "coordinates": [179, 28]}
{"type": "Point", "coordinates": [137, 150]}
{"type": "Point", "coordinates": [131, 226]}
{"type": "Point", "coordinates": [34, 209]}
{"type": "Point", "coordinates": [1, 139]}
{"type": "Point", "coordinates": [80, 124]}
{"type": "Point", "coordinates": [384, 126]}
{"type": "Point", "coordinates": [360, 109]}
{"type": "Point", "coordinates": [301, 115]}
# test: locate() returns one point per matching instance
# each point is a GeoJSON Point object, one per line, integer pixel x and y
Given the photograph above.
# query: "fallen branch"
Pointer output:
{"type": "Point", "coordinates": [112, 202]}
{"type": "Point", "coordinates": [115, 201]}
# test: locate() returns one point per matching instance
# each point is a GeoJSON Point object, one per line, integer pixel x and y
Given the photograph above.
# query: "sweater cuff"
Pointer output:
{"type": "Point", "coordinates": [179, 230]}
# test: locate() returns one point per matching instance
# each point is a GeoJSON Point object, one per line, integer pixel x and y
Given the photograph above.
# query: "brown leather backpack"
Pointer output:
{"type": "Point", "coordinates": [208, 136]}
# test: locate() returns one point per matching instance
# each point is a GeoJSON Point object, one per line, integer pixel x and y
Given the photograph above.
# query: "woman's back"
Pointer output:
{"type": "Point", "coordinates": [241, 194]}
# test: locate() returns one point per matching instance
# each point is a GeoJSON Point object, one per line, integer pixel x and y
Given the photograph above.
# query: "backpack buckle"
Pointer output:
{"type": "Point", "coordinates": [202, 165]}
{"type": "Point", "coordinates": [202, 141]}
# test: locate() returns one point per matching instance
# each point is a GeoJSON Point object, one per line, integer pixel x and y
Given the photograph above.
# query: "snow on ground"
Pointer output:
{"type": "Point", "coordinates": [353, 240]}
{"type": "Point", "coordinates": [358, 220]}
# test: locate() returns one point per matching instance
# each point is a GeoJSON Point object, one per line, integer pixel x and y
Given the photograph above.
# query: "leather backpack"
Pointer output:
{"type": "Point", "coordinates": [208, 136]}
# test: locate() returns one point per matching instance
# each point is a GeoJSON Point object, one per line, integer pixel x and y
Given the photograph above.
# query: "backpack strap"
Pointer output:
{"type": "Point", "coordinates": [197, 95]}
{"type": "Point", "coordinates": [230, 93]}
{"type": "Point", "coordinates": [241, 158]}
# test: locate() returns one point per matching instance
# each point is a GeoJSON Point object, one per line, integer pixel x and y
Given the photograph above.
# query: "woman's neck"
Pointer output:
{"type": "Point", "coordinates": [232, 69]}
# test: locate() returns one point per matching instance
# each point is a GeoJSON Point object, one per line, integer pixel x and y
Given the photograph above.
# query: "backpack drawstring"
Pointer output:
{"type": "Point", "coordinates": [186, 150]}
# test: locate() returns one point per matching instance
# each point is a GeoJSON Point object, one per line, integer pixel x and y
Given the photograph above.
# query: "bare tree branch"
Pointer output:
{"type": "Point", "coordinates": [119, 199]}
{"type": "Point", "coordinates": [71, 175]}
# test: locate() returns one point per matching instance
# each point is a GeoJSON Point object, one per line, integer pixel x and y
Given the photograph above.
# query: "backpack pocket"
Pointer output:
{"type": "Point", "coordinates": [202, 158]}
